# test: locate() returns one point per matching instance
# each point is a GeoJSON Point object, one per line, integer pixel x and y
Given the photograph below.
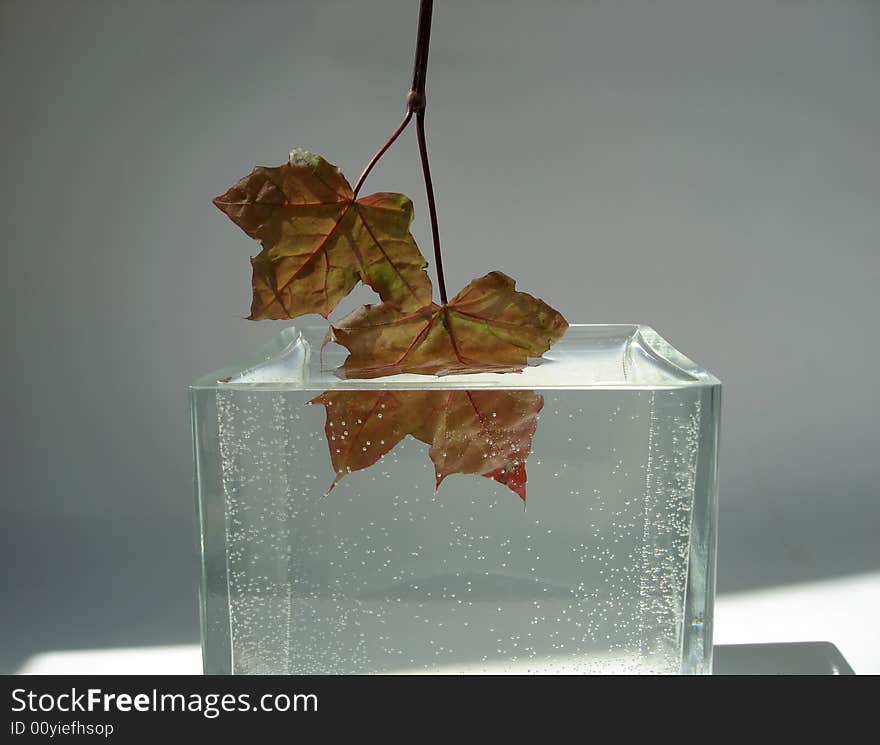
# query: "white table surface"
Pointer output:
{"type": "Point", "coordinates": [841, 611]}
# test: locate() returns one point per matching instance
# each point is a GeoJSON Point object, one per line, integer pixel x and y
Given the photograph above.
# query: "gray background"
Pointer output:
{"type": "Point", "coordinates": [710, 168]}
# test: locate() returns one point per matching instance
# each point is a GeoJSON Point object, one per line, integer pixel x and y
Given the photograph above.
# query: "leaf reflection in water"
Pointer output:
{"type": "Point", "coordinates": [482, 432]}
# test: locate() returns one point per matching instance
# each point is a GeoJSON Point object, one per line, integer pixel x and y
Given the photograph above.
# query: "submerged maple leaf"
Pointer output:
{"type": "Point", "coordinates": [483, 432]}
{"type": "Point", "coordinates": [318, 242]}
{"type": "Point", "coordinates": [488, 327]}
{"type": "Point", "coordinates": [362, 426]}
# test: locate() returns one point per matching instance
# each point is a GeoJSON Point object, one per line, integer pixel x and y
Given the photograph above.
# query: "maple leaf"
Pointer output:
{"type": "Point", "coordinates": [488, 327]}
{"type": "Point", "coordinates": [483, 432]}
{"type": "Point", "coordinates": [319, 242]}
{"type": "Point", "coordinates": [362, 426]}
{"type": "Point", "coordinates": [513, 476]}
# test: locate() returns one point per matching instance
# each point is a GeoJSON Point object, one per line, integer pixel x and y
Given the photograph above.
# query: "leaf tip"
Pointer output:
{"type": "Point", "coordinates": [332, 487]}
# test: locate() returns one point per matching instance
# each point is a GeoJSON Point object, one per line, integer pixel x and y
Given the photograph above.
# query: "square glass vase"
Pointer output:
{"type": "Point", "coordinates": [592, 550]}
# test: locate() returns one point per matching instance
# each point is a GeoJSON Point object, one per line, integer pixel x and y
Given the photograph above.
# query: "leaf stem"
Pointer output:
{"type": "Point", "coordinates": [415, 106]}
{"type": "Point", "coordinates": [432, 207]}
{"type": "Point", "coordinates": [416, 99]}
{"type": "Point", "coordinates": [416, 103]}
{"type": "Point", "coordinates": [397, 132]}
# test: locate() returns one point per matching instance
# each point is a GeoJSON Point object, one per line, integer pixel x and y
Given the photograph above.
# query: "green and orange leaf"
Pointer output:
{"type": "Point", "coordinates": [488, 327]}
{"type": "Point", "coordinates": [318, 241]}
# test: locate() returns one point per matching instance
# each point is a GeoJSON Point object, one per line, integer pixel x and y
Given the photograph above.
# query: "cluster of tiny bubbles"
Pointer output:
{"type": "Point", "coordinates": [385, 573]}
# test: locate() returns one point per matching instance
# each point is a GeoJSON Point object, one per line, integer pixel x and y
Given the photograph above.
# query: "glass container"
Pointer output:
{"type": "Point", "coordinates": [592, 551]}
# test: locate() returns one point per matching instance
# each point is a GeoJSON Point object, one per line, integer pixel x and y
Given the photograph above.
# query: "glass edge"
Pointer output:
{"type": "Point", "coordinates": [662, 350]}
{"type": "Point", "coordinates": [200, 527]}
{"type": "Point", "coordinates": [648, 339]}
{"type": "Point", "coordinates": [699, 610]}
